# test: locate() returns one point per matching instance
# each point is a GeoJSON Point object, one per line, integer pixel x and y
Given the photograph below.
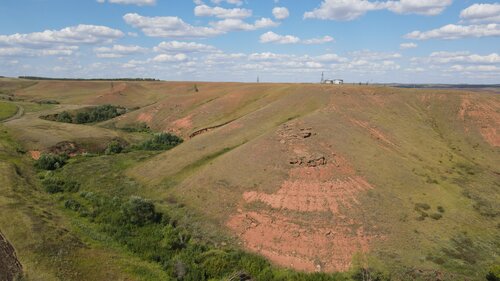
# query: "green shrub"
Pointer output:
{"type": "Point", "coordinates": [53, 185]}
{"type": "Point", "coordinates": [48, 102]}
{"type": "Point", "coordinates": [364, 274]}
{"type": "Point", "coordinates": [82, 118]}
{"type": "Point", "coordinates": [216, 263]}
{"type": "Point", "coordinates": [161, 141]}
{"type": "Point", "coordinates": [139, 127]}
{"type": "Point", "coordinates": [494, 274]}
{"type": "Point", "coordinates": [440, 209]}
{"type": "Point", "coordinates": [139, 211]}
{"type": "Point", "coordinates": [64, 117]}
{"type": "Point", "coordinates": [51, 161]}
{"type": "Point", "coordinates": [72, 205]}
{"type": "Point", "coordinates": [114, 147]}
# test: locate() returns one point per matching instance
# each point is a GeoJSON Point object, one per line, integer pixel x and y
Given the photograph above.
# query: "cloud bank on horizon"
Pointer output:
{"type": "Point", "coordinates": [405, 41]}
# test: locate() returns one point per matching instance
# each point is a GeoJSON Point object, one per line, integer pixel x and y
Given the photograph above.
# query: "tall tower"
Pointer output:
{"type": "Point", "coordinates": [258, 79]}
{"type": "Point", "coordinates": [322, 77]}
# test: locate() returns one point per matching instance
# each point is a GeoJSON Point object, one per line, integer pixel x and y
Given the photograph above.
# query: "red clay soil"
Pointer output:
{"type": "Point", "coordinates": [312, 196]}
{"type": "Point", "coordinates": [483, 116]}
{"type": "Point", "coordinates": [304, 224]}
{"type": "Point", "coordinates": [10, 267]}
{"type": "Point", "coordinates": [35, 154]}
{"type": "Point", "coordinates": [145, 117]}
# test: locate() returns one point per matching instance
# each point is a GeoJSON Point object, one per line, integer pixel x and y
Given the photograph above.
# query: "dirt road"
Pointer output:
{"type": "Point", "coordinates": [19, 114]}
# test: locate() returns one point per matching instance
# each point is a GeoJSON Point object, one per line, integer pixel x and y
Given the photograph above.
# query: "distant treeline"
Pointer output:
{"type": "Point", "coordinates": [92, 79]}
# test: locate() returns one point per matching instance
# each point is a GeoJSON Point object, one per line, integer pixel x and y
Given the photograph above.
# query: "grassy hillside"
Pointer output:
{"type": "Point", "coordinates": [50, 244]}
{"type": "Point", "coordinates": [312, 177]}
{"type": "Point", "coordinates": [7, 110]}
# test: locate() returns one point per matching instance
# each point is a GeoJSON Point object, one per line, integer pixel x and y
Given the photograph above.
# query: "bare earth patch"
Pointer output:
{"type": "Point", "coordinates": [35, 154]}
{"type": "Point", "coordinates": [145, 117]}
{"type": "Point", "coordinates": [484, 116]}
{"type": "Point", "coordinates": [304, 225]}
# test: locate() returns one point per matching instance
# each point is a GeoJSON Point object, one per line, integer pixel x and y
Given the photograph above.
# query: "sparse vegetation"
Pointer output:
{"type": "Point", "coordinates": [54, 185]}
{"type": "Point", "coordinates": [48, 102]}
{"type": "Point", "coordinates": [7, 110]}
{"type": "Point", "coordinates": [137, 128]}
{"type": "Point", "coordinates": [114, 147]}
{"type": "Point", "coordinates": [494, 273]}
{"type": "Point", "coordinates": [160, 141]}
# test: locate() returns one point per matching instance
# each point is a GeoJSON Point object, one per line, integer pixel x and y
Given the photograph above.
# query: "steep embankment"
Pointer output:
{"type": "Point", "coordinates": [320, 177]}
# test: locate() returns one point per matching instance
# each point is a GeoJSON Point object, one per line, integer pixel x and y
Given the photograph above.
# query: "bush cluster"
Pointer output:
{"type": "Point", "coordinates": [114, 147]}
{"type": "Point", "coordinates": [88, 115]}
{"type": "Point", "coordinates": [51, 161]}
{"type": "Point", "coordinates": [98, 114]}
{"type": "Point", "coordinates": [161, 141]}
{"type": "Point", "coordinates": [54, 185]}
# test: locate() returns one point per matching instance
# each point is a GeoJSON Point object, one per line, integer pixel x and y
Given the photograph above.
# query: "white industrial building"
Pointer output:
{"type": "Point", "coordinates": [331, 81]}
{"type": "Point", "coordinates": [334, 81]}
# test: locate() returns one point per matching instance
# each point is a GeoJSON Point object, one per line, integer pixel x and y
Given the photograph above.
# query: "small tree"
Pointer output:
{"type": "Point", "coordinates": [64, 117]}
{"type": "Point", "coordinates": [139, 211]}
{"type": "Point", "coordinates": [51, 161]}
{"type": "Point", "coordinates": [82, 118]}
{"type": "Point", "coordinates": [114, 147]}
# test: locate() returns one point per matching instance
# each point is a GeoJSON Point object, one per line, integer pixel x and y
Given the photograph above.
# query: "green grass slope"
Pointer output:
{"type": "Point", "coordinates": [7, 110]}
{"type": "Point", "coordinates": [312, 177]}
{"type": "Point", "coordinates": [414, 147]}
{"type": "Point", "coordinates": [50, 244]}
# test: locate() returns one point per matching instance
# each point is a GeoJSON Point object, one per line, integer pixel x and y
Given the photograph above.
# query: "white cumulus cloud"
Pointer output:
{"type": "Point", "coordinates": [271, 37]}
{"type": "Point", "coordinates": [170, 58]}
{"type": "Point", "coordinates": [345, 10]}
{"type": "Point", "coordinates": [281, 13]}
{"type": "Point", "coordinates": [130, 2]}
{"type": "Point", "coordinates": [453, 31]}
{"type": "Point", "coordinates": [481, 13]}
{"type": "Point", "coordinates": [184, 47]}
{"type": "Point", "coordinates": [407, 46]}
{"type": "Point", "coordinates": [207, 11]}
{"type": "Point", "coordinates": [176, 27]}
{"type": "Point", "coordinates": [118, 51]}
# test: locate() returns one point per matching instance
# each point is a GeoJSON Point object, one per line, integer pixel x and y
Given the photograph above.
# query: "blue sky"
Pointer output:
{"type": "Point", "coordinates": [406, 41]}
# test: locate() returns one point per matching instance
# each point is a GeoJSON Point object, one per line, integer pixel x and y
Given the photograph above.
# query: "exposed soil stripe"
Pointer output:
{"type": "Point", "coordinates": [205, 130]}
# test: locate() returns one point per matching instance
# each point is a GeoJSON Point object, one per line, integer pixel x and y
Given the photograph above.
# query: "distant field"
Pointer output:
{"type": "Point", "coordinates": [312, 177]}
{"type": "Point", "coordinates": [7, 110]}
